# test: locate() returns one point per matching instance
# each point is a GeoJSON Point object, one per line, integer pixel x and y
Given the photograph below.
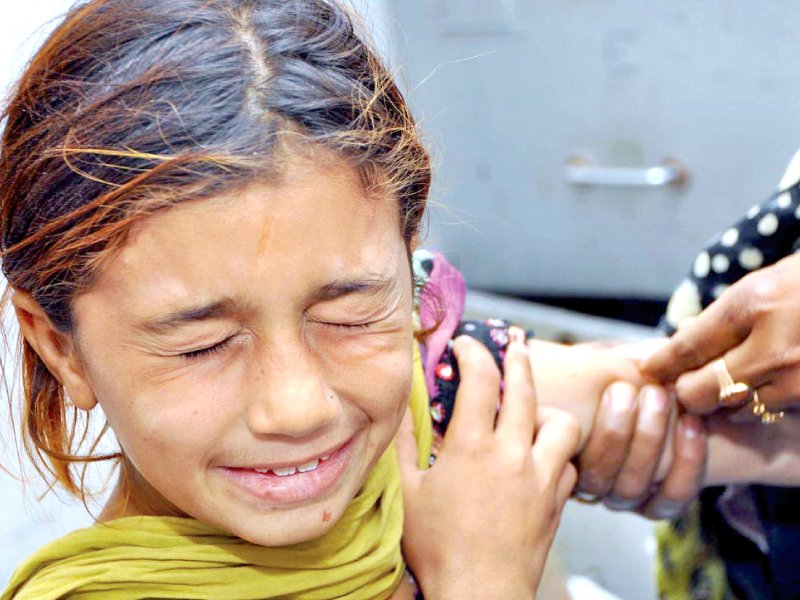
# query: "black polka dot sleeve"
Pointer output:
{"type": "Point", "coordinates": [768, 232]}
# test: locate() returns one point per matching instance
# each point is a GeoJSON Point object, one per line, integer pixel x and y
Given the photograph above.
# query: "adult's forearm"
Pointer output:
{"type": "Point", "coordinates": [749, 452]}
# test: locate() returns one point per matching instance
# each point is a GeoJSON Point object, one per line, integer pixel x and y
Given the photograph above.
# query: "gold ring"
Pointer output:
{"type": "Point", "coordinates": [760, 411]}
{"type": "Point", "coordinates": [731, 393]}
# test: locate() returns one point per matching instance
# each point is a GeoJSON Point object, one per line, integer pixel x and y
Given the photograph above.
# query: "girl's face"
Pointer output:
{"type": "Point", "coordinates": [253, 352]}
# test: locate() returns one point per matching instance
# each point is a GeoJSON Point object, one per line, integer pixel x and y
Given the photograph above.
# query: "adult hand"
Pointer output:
{"type": "Point", "coordinates": [755, 327]}
{"type": "Point", "coordinates": [640, 456]}
{"type": "Point", "coordinates": [479, 523]}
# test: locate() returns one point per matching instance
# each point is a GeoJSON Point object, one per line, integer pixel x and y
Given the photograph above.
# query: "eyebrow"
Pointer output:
{"type": "Point", "coordinates": [192, 314]}
{"type": "Point", "coordinates": [368, 286]}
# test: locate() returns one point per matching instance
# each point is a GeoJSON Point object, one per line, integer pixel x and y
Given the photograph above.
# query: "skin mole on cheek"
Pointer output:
{"type": "Point", "coordinates": [326, 516]}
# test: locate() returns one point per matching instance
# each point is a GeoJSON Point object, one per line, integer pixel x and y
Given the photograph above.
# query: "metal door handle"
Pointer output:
{"type": "Point", "coordinates": [580, 171]}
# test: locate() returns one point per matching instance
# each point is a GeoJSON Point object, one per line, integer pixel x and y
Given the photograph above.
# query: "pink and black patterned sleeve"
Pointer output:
{"type": "Point", "coordinates": [440, 305]}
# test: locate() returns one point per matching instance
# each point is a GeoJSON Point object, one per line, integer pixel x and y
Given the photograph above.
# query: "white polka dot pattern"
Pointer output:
{"type": "Point", "coordinates": [719, 289]}
{"type": "Point", "coordinates": [685, 302]}
{"type": "Point", "coordinates": [768, 232]}
{"type": "Point", "coordinates": [702, 264]}
{"type": "Point", "coordinates": [768, 224]}
{"type": "Point", "coordinates": [751, 258]}
{"type": "Point", "coordinates": [720, 263]}
{"type": "Point", "coordinates": [730, 237]}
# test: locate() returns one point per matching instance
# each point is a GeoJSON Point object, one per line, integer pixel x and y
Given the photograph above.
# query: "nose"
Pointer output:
{"type": "Point", "coordinates": [289, 397]}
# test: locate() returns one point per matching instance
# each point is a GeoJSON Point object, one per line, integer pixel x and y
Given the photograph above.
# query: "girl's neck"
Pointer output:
{"type": "Point", "coordinates": [133, 496]}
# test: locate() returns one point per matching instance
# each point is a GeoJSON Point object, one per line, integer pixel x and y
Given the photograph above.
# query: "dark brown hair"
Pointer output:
{"type": "Point", "coordinates": [131, 106]}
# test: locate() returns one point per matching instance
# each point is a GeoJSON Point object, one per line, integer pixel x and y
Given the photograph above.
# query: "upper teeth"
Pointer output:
{"type": "Point", "coordinates": [285, 471]}
{"type": "Point", "coordinates": [309, 466]}
{"type": "Point", "coordinates": [305, 468]}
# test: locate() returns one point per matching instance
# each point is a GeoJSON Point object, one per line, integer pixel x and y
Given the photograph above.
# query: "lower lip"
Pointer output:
{"type": "Point", "coordinates": [296, 488]}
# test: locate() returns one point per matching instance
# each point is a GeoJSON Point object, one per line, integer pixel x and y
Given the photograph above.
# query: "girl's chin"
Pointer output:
{"type": "Point", "coordinates": [293, 527]}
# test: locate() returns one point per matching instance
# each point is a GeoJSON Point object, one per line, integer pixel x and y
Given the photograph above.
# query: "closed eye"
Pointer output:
{"type": "Point", "coordinates": [199, 353]}
{"type": "Point", "coordinates": [347, 325]}
{"type": "Point", "coordinates": [351, 325]}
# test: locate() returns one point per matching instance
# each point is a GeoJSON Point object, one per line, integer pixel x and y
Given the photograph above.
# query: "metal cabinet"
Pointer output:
{"type": "Point", "coordinates": [529, 103]}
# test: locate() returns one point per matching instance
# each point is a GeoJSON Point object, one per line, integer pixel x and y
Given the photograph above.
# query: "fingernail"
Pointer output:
{"type": "Point", "coordinates": [589, 483]}
{"type": "Point", "coordinates": [516, 340]}
{"type": "Point", "coordinates": [691, 427]}
{"type": "Point", "coordinates": [664, 508]}
{"type": "Point", "coordinates": [614, 502]}
{"type": "Point", "coordinates": [516, 335]}
{"type": "Point", "coordinates": [621, 397]}
{"type": "Point", "coordinates": [655, 399]}
{"type": "Point", "coordinates": [584, 497]}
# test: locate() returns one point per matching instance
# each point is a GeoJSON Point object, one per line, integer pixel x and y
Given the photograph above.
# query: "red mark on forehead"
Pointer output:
{"type": "Point", "coordinates": [326, 516]}
{"type": "Point", "coordinates": [265, 237]}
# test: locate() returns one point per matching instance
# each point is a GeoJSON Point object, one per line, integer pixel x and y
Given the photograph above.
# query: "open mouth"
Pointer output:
{"type": "Point", "coordinates": [291, 470]}
{"type": "Point", "coordinates": [290, 484]}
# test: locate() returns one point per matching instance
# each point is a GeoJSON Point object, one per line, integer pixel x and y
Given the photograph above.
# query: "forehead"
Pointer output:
{"type": "Point", "coordinates": [316, 225]}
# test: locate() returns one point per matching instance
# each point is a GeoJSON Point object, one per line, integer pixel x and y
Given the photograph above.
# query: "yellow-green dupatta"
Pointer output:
{"type": "Point", "coordinates": [168, 557]}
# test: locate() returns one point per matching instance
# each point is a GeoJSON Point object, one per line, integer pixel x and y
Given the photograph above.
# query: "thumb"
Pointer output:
{"type": "Point", "coordinates": [407, 454]}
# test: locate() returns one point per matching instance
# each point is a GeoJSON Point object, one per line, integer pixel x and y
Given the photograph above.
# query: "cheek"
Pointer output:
{"type": "Point", "coordinates": [172, 421]}
{"type": "Point", "coordinates": [378, 381]}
